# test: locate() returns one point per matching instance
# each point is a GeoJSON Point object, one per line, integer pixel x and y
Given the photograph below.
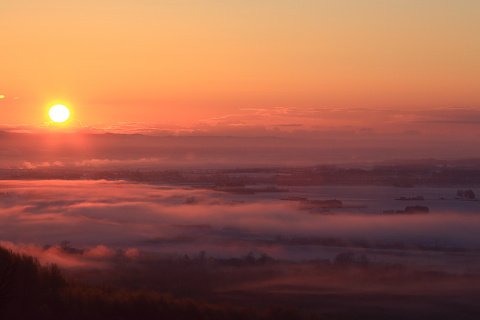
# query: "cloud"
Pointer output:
{"type": "Point", "coordinates": [252, 137]}
{"type": "Point", "coordinates": [132, 253]}
{"type": "Point", "coordinates": [103, 218]}
{"type": "Point", "coordinates": [49, 255]}
{"type": "Point", "coordinates": [109, 163]}
{"type": "Point", "coordinates": [45, 164]}
{"type": "Point", "coordinates": [100, 251]}
{"type": "Point", "coordinates": [67, 257]}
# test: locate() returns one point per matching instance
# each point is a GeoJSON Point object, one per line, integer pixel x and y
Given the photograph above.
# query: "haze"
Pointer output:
{"type": "Point", "coordinates": [181, 62]}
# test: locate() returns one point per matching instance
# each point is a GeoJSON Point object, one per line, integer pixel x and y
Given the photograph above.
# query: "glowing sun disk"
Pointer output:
{"type": "Point", "coordinates": [59, 113]}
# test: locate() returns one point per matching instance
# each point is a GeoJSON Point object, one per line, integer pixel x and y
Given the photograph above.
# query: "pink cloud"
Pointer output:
{"type": "Point", "coordinates": [103, 217]}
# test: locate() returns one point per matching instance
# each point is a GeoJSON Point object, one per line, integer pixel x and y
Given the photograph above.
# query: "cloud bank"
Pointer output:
{"type": "Point", "coordinates": [102, 217]}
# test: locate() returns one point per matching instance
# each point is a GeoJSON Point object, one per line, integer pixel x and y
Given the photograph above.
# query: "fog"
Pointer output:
{"type": "Point", "coordinates": [107, 218]}
{"type": "Point", "coordinates": [214, 149]}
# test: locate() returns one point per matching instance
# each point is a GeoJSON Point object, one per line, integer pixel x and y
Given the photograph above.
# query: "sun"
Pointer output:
{"type": "Point", "coordinates": [59, 113]}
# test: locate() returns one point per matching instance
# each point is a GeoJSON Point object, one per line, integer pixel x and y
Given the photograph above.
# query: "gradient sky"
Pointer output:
{"type": "Point", "coordinates": [183, 62]}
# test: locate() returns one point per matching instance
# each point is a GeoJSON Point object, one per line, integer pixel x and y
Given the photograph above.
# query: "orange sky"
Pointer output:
{"type": "Point", "coordinates": [183, 62]}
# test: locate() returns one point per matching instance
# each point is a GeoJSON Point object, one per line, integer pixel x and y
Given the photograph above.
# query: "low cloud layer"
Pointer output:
{"type": "Point", "coordinates": [102, 217]}
{"type": "Point", "coordinates": [251, 137]}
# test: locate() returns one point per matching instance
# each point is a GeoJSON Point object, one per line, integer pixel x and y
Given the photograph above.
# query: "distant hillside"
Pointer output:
{"type": "Point", "coordinates": [31, 291]}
